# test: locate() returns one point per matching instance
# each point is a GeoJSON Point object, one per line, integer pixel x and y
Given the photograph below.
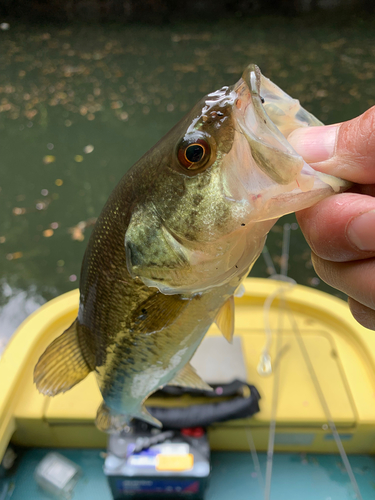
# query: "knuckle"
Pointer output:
{"type": "Point", "coordinates": [363, 314]}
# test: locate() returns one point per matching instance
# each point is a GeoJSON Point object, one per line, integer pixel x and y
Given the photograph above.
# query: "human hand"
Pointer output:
{"type": "Point", "coordinates": [341, 229]}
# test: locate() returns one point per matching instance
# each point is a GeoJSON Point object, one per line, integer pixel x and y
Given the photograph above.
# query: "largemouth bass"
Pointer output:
{"type": "Point", "coordinates": [176, 238]}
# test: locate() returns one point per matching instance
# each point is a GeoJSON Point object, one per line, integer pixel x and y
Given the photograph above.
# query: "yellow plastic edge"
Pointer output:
{"type": "Point", "coordinates": [34, 330]}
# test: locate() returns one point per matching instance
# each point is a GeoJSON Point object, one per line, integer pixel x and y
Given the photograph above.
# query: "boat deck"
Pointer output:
{"type": "Point", "coordinates": [295, 476]}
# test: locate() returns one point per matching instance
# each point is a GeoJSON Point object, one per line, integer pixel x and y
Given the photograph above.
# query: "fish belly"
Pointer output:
{"type": "Point", "coordinates": [139, 364]}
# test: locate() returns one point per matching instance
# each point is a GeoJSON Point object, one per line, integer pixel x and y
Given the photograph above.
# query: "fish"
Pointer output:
{"type": "Point", "coordinates": [174, 242]}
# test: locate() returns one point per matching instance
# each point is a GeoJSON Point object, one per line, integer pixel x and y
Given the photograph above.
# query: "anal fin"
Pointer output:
{"type": "Point", "coordinates": [62, 365]}
{"type": "Point", "coordinates": [188, 377]}
{"type": "Point", "coordinates": [113, 423]}
{"type": "Point", "coordinates": [109, 422]}
{"type": "Point", "coordinates": [225, 319]}
{"type": "Point", "coordinates": [240, 292]}
{"type": "Point", "coordinates": [147, 417]}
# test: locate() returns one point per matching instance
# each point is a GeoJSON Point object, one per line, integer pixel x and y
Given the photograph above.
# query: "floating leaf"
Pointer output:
{"type": "Point", "coordinates": [88, 149]}
{"type": "Point", "coordinates": [18, 211]}
{"type": "Point", "coordinates": [15, 255]}
{"type": "Point", "coordinates": [49, 159]}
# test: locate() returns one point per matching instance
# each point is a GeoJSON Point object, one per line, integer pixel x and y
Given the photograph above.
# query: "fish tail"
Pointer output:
{"type": "Point", "coordinates": [111, 422]}
{"type": "Point", "coordinates": [62, 365]}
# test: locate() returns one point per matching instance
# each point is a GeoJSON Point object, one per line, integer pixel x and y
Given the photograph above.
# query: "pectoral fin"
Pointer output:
{"type": "Point", "coordinates": [188, 377]}
{"type": "Point", "coordinates": [157, 312]}
{"type": "Point", "coordinates": [225, 319]}
{"type": "Point", "coordinates": [62, 365]}
{"type": "Point", "coordinates": [153, 254]}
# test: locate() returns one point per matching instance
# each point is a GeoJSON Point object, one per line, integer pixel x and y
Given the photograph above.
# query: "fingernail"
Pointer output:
{"type": "Point", "coordinates": [361, 231]}
{"type": "Point", "coordinates": [314, 144]}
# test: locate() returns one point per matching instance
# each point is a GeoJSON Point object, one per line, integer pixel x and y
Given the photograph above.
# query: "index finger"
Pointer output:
{"type": "Point", "coordinates": [345, 150]}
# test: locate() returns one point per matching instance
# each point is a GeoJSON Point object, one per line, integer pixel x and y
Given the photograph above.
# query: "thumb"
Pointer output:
{"type": "Point", "coordinates": [346, 150]}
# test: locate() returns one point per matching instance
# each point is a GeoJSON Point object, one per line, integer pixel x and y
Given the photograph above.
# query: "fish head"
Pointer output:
{"type": "Point", "coordinates": [224, 175]}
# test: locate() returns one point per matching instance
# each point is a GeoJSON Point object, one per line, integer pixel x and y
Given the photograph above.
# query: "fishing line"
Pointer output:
{"type": "Point", "coordinates": [266, 356]}
{"type": "Point", "coordinates": [323, 402]}
{"type": "Point", "coordinates": [254, 456]}
{"type": "Point", "coordinates": [265, 365]}
{"type": "Point", "coordinates": [285, 250]}
{"type": "Point", "coordinates": [283, 306]}
{"type": "Point", "coordinates": [275, 400]}
{"type": "Point", "coordinates": [269, 262]}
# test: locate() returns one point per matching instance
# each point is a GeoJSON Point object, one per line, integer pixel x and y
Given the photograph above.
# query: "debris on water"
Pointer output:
{"type": "Point", "coordinates": [2, 239]}
{"type": "Point", "coordinates": [54, 225]}
{"type": "Point", "coordinates": [13, 256]}
{"type": "Point", "coordinates": [88, 149]}
{"type": "Point", "coordinates": [19, 211]}
{"type": "Point", "coordinates": [60, 263]}
{"type": "Point", "coordinates": [4, 26]}
{"type": "Point", "coordinates": [41, 206]}
{"type": "Point", "coordinates": [49, 159]}
{"type": "Point", "coordinates": [72, 277]}
{"type": "Point", "coordinates": [78, 158]}
{"type": "Point", "coordinates": [48, 233]}
{"type": "Point", "coordinates": [50, 146]}
{"type": "Point", "coordinates": [44, 192]}
{"type": "Point", "coordinates": [59, 182]}
{"type": "Point", "coordinates": [78, 230]}
{"type": "Point", "coordinates": [117, 104]}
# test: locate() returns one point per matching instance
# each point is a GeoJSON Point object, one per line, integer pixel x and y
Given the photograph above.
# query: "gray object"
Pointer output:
{"type": "Point", "coordinates": [218, 362]}
{"type": "Point", "coordinates": [57, 475]}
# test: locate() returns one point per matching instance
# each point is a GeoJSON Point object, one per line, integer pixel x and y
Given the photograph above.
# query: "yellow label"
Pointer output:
{"type": "Point", "coordinates": [174, 462]}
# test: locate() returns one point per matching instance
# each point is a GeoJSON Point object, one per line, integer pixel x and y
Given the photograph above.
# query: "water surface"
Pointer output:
{"type": "Point", "coordinates": [80, 104]}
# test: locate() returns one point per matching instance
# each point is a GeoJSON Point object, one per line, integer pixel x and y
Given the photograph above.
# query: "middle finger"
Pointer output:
{"type": "Point", "coordinates": [353, 278]}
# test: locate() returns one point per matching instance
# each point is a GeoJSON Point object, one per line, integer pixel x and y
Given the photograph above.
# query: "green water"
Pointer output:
{"type": "Point", "coordinates": [80, 104]}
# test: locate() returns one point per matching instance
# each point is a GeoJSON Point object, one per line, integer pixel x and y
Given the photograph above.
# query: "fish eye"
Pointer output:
{"type": "Point", "coordinates": [195, 154]}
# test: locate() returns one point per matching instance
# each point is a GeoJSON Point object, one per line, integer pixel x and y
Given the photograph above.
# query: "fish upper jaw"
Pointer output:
{"type": "Point", "coordinates": [270, 175]}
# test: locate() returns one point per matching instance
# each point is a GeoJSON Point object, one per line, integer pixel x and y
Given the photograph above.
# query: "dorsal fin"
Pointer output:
{"type": "Point", "coordinates": [188, 377]}
{"type": "Point", "coordinates": [62, 365]}
{"type": "Point", "coordinates": [225, 319]}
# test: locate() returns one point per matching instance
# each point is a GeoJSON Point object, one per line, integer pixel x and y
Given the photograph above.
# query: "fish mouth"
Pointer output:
{"type": "Point", "coordinates": [266, 115]}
